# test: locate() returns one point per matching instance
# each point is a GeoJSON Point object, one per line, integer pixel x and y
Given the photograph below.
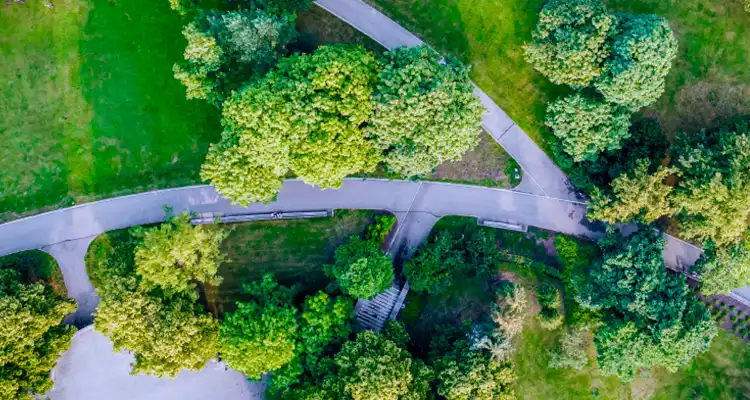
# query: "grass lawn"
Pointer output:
{"type": "Point", "coordinates": [293, 250]}
{"type": "Point", "coordinates": [35, 266]}
{"type": "Point", "coordinates": [709, 83]}
{"type": "Point", "coordinates": [88, 104]}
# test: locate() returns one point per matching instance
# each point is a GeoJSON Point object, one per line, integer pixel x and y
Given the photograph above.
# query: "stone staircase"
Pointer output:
{"type": "Point", "coordinates": [372, 314]}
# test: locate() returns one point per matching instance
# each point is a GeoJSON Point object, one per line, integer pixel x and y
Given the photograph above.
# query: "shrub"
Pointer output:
{"type": "Point", "coordinates": [379, 230]}
{"type": "Point", "coordinates": [509, 309]}
{"type": "Point", "coordinates": [434, 265]}
{"type": "Point", "coordinates": [642, 54]}
{"type": "Point", "coordinates": [586, 126]}
{"type": "Point", "coordinates": [361, 268]}
{"type": "Point", "coordinates": [571, 351]}
{"type": "Point", "coordinates": [547, 295]}
{"type": "Point", "coordinates": [570, 42]}
{"type": "Point", "coordinates": [550, 318]}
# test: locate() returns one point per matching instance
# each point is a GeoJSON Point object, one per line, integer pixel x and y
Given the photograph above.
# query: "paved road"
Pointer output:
{"type": "Point", "coordinates": [92, 370]}
{"type": "Point", "coordinates": [541, 175]}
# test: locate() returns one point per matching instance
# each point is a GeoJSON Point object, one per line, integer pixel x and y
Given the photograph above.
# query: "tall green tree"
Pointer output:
{"type": "Point", "coordinates": [571, 41]}
{"type": "Point", "coordinates": [649, 316]}
{"type": "Point", "coordinates": [166, 334]}
{"type": "Point", "coordinates": [304, 117]}
{"type": "Point", "coordinates": [724, 268]}
{"type": "Point", "coordinates": [425, 111]}
{"type": "Point", "coordinates": [638, 195]}
{"type": "Point", "coordinates": [176, 255]}
{"type": "Point", "coordinates": [31, 335]}
{"type": "Point", "coordinates": [713, 194]}
{"type": "Point", "coordinates": [361, 268]}
{"type": "Point", "coordinates": [434, 265]}
{"type": "Point", "coordinates": [586, 126]}
{"type": "Point", "coordinates": [261, 335]}
{"type": "Point", "coordinates": [642, 54]}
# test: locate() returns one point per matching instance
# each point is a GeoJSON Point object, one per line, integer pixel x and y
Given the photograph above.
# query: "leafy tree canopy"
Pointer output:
{"type": "Point", "coordinates": [433, 266]}
{"type": "Point", "coordinates": [303, 117]}
{"type": "Point", "coordinates": [586, 126]}
{"type": "Point", "coordinates": [165, 333]}
{"type": "Point", "coordinates": [31, 335]}
{"type": "Point", "coordinates": [425, 111]}
{"type": "Point", "coordinates": [176, 254]}
{"type": "Point", "coordinates": [571, 351]}
{"type": "Point", "coordinates": [637, 195]}
{"type": "Point", "coordinates": [642, 54]}
{"type": "Point", "coordinates": [261, 335]}
{"type": "Point", "coordinates": [361, 268]}
{"type": "Point", "coordinates": [571, 41]}
{"type": "Point", "coordinates": [713, 194]}
{"type": "Point", "coordinates": [725, 268]}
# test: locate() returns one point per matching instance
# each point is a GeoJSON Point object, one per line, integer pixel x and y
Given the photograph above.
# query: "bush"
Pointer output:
{"type": "Point", "coordinates": [570, 42]}
{"type": "Point", "coordinates": [509, 309]}
{"type": "Point", "coordinates": [379, 230]}
{"type": "Point", "coordinates": [571, 351]}
{"type": "Point", "coordinates": [550, 318]}
{"type": "Point", "coordinates": [547, 295]}
{"type": "Point", "coordinates": [433, 267]}
{"type": "Point", "coordinates": [361, 268]}
{"type": "Point", "coordinates": [586, 126]}
{"type": "Point", "coordinates": [642, 54]}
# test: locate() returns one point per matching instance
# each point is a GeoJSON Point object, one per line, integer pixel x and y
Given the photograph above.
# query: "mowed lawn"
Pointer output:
{"type": "Point", "coordinates": [709, 82]}
{"type": "Point", "coordinates": [88, 104]}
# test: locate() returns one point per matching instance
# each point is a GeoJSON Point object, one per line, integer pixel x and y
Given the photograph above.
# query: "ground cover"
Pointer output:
{"type": "Point", "coordinates": [707, 85]}
{"type": "Point", "coordinates": [89, 105]}
{"type": "Point", "coordinates": [293, 250]}
{"type": "Point", "coordinates": [36, 266]}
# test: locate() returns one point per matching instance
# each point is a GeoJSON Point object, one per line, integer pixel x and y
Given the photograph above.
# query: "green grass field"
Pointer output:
{"type": "Point", "coordinates": [293, 250]}
{"type": "Point", "coordinates": [709, 82]}
{"type": "Point", "coordinates": [89, 106]}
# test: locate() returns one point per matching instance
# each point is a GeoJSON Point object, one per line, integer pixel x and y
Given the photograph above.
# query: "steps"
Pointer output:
{"type": "Point", "coordinates": [372, 314]}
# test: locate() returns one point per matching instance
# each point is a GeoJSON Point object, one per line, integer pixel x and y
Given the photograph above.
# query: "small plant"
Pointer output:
{"type": "Point", "coordinates": [380, 229]}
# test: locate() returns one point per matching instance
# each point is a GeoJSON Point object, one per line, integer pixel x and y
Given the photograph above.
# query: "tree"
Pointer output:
{"type": "Point", "coordinates": [725, 268]}
{"type": "Point", "coordinates": [547, 295]}
{"type": "Point", "coordinates": [650, 319]}
{"type": "Point", "coordinates": [31, 335]}
{"type": "Point", "coordinates": [571, 41]}
{"type": "Point", "coordinates": [203, 58]}
{"type": "Point", "coordinates": [324, 321]}
{"type": "Point", "coordinates": [433, 267]}
{"type": "Point", "coordinates": [571, 351]}
{"type": "Point", "coordinates": [713, 194]}
{"type": "Point", "coordinates": [425, 111]}
{"type": "Point", "coordinates": [637, 195]}
{"type": "Point", "coordinates": [261, 335]}
{"type": "Point", "coordinates": [509, 309]}
{"type": "Point", "coordinates": [303, 117]}
{"type": "Point", "coordinates": [642, 54]}
{"type": "Point", "coordinates": [586, 126]}
{"type": "Point", "coordinates": [284, 7]}
{"type": "Point", "coordinates": [176, 254]}
{"type": "Point", "coordinates": [361, 268]}
{"type": "Point", "coordinates": [373, 367]}
{"type": "Point", "coordinates": [165, 333]}
{"type": "Point", "coordinates": [466, 374]}
{"type": "Point", "coordinates": [482, 253]}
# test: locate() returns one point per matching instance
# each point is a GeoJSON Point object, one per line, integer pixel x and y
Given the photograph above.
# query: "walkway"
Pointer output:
{"type": "Point", "coordinates": [541, 175]}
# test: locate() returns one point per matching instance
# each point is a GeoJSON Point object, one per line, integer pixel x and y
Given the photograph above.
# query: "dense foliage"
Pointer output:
{"type": "Point", "coordinates": [261, 335]}
{"type": "Point", "coordinates": [637, 195]}
{"type": "Point", "coordinates": [649, 316]}
{"type": "Point", "coordinates": [571, 41]}
{"type": "Point", "coordinates": [432, 268]}
{"type": "Point", "coordinates": [509, 309]}
{"type": "Point", "coordinates": [725, 268]}
{"type": "Point", "coordinates": [713, 194]}
{"type": "Point", "coordinates": [228, 48]}
{"type": "Point", "coordinates": [303, 117]}
{"type": "Point", "coordinates": [642, 54]}
{"type": "Point", "coordinates": [425, 111]}
{"type": "Point", "coordinates": [571, 351]}
{"type": "Point", "coordinates": [176, 254]}
{"type": "Point", "coordinates": [586, 126]}
{"type": "Point", "coordinates": [31, 335]}
{"type": "Point", "coordinates": [361, 268]}
{"type": "Point", "coordinates": [165, 333]}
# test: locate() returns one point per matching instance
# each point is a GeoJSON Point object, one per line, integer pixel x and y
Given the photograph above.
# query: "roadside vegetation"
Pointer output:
{"type": "Point", "coordinates": [32, 307]}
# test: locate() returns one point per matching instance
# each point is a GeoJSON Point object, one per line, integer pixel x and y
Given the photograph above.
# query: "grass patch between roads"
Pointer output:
{"type": "Point", "coordinates": [293, 250]}
{"type": "Point", "coordinates": [709, 82]}
{"type": "Point", "coordinates": [36, 266]}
